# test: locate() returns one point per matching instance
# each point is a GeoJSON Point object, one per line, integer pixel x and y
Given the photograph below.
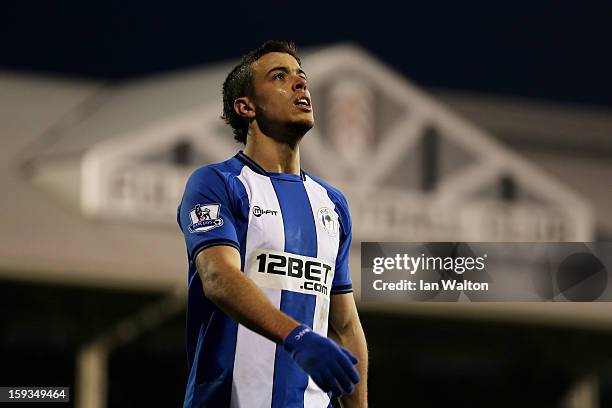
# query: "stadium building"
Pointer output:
{"type": "Point", "coordinates": [93, 265]}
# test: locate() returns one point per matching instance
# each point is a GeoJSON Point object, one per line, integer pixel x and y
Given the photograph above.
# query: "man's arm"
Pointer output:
{"type": "Point", "coordinates": [238, 296]}
{"type": "Point", "coordinates": [345, 329]}
{"type": "Point", "coordinates": [329, 365]}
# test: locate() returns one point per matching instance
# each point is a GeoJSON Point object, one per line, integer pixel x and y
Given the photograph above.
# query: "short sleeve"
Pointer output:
{"type": "Point", "coordinates": [205, 214]}
{"type": "Point", "coordinates": [342, 278]}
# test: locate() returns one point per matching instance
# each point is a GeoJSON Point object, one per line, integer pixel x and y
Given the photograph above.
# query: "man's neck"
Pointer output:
{"type": "Point", "coordinates": [273, 156]}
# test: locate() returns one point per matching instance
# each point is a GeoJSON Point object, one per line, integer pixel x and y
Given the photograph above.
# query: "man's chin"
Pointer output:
{"type": "Point", "coordinates": [293, 132]}
{"type": "Point", "coordinates": [298, 128]}
{"type": "Point", "coordinates": [290, 132]}
{"type": "Point", "coordinates": [306, 124]}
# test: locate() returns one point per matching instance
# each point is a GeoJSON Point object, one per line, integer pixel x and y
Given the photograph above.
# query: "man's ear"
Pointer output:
{"type": "Point", "coordinates": [244, 107]}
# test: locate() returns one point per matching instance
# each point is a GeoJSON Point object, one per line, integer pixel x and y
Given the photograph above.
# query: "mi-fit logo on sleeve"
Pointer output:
{"type": "Point", "coordinates": [282, 270]}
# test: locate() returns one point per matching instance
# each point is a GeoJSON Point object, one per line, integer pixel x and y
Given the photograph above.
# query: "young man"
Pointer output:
{"type": "Point", "coordinates": [268, 265]}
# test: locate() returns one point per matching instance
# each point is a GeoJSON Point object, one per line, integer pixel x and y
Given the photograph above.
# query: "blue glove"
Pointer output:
{"type": "Point", "coordinates": [329, 365]}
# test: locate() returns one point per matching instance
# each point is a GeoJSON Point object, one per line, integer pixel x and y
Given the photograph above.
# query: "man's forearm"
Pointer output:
{"type": "Point", "coordinates": [352, 338]}
{"type": "Point", "coordinates": [239, 297]}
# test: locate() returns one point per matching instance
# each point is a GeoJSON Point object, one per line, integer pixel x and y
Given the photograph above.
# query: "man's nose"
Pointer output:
{"type": "Point", "coordinates": [299, 84]}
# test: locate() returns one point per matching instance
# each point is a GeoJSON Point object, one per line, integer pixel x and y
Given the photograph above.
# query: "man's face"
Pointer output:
{"type": "Point", "coordinates": [282, 100]}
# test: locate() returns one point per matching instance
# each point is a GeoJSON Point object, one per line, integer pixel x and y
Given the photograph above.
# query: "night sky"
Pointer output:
{"type": "Point", "coordinates": [550, 50]}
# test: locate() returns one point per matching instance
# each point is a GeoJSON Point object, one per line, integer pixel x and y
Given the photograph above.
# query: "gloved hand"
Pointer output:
{"type": "Point", "coordinates": [328, 364]}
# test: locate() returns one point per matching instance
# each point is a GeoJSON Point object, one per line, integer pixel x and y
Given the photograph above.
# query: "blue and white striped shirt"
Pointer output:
{"type": "Point", "coordinates": [294, 234]}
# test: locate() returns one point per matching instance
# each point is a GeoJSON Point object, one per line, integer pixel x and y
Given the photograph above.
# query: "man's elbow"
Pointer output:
{"type": "Point", "coordinates": [212, 283]}
{"type": "Point", "coordinates": [346, 327]}
{"type": "Point", "coordinates": [218, 267]}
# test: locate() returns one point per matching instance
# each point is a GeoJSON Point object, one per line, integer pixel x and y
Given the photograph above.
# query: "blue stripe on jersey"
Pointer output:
{"type": "Point", "coordinates": [209, 384]}
{"type": "Point", "coordinates": [211, 374]}
{"type": "Point", "coordinates": [290, 381]}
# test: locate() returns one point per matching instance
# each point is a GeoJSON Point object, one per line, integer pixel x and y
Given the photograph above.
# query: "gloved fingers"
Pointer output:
{"type": "Point", "coordinates": [349, 368]}
{"type": "Point", "coordinates": [328, 382]}
{"type": "Point", "coordinates": [335, 388]}
{"type": "Point", "coordinates": [324, 379]}
{"type": "Point", "coordinates": [350, 355]}
{"type": "Point", "coordinates": [320, 382]}
{"type": "Point", "coordinates": [342, 379]}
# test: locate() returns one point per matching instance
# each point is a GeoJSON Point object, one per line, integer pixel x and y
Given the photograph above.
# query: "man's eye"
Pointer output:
{"type": "Point", "coordinates": [280, 75]}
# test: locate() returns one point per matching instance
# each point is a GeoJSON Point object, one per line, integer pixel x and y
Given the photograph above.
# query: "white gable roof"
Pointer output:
{"type": "Point", "coordinates": [378, 161]}
{"type": "Point", "coordinates": [112, 162]}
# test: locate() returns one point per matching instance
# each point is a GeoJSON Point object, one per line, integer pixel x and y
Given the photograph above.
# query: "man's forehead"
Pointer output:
{"type": "Point", "coordinates": [274, 59]}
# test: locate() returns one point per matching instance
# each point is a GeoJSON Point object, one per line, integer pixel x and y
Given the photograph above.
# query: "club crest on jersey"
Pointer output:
{"type": "Point", "coordinates": [205, 217]}
{"type": "Point", "coordinates": [329, 220]}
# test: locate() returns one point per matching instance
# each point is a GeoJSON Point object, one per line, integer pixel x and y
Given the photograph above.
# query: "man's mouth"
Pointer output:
{"type": "Point", "coordinates": [303, 103]}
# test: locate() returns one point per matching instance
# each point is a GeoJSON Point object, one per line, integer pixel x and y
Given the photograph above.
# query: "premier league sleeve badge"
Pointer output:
{"type": "Point", "coordinates": [205, 217]}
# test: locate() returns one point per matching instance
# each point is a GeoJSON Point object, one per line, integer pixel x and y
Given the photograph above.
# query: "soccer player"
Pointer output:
{"type": "Point", "coordinates": [268, 249]}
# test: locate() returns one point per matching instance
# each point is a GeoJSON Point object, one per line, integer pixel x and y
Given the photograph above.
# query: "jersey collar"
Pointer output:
{"type": "Point", "coordinates": [258, 169]}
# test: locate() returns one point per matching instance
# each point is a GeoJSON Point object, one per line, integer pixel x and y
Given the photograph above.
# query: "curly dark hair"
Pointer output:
{"type": "Point", "coordinates": [239, 82]}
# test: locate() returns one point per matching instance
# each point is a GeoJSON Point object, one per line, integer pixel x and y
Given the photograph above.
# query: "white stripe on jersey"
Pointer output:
{"type": "Point", "coordinates": [255, 355]}
{"type": "Point", "coordinates": [327, 249]}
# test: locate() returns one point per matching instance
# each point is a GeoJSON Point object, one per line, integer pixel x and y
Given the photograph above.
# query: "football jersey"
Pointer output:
{"type": "Point", "coordinates": [293, 233]}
